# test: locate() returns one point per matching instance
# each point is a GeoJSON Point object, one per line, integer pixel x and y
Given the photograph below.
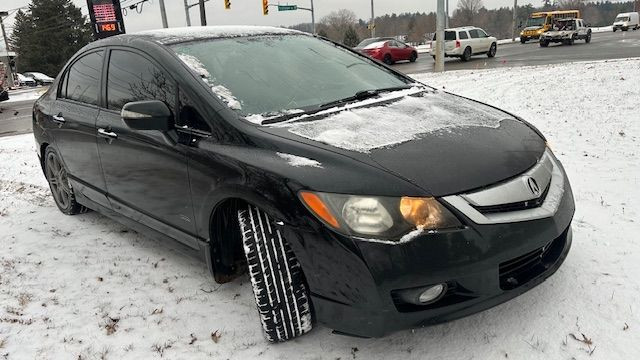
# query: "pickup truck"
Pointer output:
{"type": "Point", "coordinates": [566, 31]}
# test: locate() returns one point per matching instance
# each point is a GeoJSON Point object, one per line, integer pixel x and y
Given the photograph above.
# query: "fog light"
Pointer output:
{"type": "Point", "coordinates": [432, 294]}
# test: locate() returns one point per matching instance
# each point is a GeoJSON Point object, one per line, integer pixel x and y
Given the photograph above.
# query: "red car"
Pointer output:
{"type": "Point", "coordinates": [387, 50]}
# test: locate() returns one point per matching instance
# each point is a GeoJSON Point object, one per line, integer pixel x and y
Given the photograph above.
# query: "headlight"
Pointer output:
{"type": "Point", "coordinates": [521, 33]}
{"type": "Point", "coordinates": [378, 217]}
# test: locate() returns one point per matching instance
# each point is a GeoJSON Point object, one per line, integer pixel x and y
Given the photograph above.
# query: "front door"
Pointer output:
{"type": "Point", "coordinates": [145, 171]}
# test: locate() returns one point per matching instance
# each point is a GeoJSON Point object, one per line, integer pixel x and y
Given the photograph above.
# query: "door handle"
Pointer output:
{"type": "Point", "coordinates": [107, 134]}
{"type": "Point", "coordinates": [59, 119]}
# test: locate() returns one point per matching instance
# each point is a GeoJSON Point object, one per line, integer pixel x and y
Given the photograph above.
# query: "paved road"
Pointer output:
{"type": "Point", "coordinates": [15, 117]}
{"type": "Point", "coordinates": [603, 46]}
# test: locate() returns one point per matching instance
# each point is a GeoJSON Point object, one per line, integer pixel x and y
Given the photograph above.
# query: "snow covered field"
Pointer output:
{"type": "Point", "coordinates": [85, 287]}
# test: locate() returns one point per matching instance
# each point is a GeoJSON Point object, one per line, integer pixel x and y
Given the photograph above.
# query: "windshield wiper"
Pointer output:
{"type": "Point", "coordinates": [362, 95]}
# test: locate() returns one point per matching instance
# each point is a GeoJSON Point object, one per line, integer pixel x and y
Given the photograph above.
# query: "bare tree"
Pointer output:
{"type": "Point", "coordinates": [337, 23]}
{"type": "Point", "coordinates": [467, 10]}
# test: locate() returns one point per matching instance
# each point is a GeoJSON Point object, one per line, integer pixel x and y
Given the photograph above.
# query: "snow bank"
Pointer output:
{"type": "Point", "coordinates": [85, 286]}
{"type": "Point", "coordinates": [25, 95]}
{"type": "Point", "coordinates": [365, 129]}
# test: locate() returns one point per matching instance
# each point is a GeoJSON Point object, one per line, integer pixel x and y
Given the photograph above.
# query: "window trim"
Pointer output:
{"type": "Point", "coordinates": [64, 78]}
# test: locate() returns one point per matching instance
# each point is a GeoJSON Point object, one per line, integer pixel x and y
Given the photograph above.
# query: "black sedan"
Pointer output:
{"type": "Point", "coordinates": [352, 195]}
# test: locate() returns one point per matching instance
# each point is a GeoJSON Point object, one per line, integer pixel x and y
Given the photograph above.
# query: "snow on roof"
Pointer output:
{"type": "Point", "coordinates": [174, 35]}
{"type": "Point", "coordinates": [376, 44]}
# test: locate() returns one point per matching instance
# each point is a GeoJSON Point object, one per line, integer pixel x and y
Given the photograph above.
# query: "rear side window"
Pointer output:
{"type": "Point", "coordinates": [449, 35]}
{"type": "Point", "coordinates": [82, 81]}
{"type": "Point", "coordinates": [131, 77]}
{"type": "Point", "coordinates": [474, 33]}
{"type": "Point", "coordinates": [462, 35]}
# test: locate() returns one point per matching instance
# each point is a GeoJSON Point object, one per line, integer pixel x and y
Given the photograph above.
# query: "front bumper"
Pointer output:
{"type": "Point", "coordinates": [352, 282]}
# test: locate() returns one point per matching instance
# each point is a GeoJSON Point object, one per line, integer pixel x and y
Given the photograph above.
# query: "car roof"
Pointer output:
{"type": "Point", "coordinates": [462, 28]}
{"type": "Point", "coordinates": [182, 34]}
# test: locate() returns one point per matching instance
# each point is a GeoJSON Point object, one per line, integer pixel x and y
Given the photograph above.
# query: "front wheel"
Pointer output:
{"type": "Point", "coordinates": [544, 43]}
{"type": "Point", "coordinates": [588, 39]}
{"type": "Point", "coordinates": [59, 184]}
{"type": "Point", "coordinates": [614, 29]}
{"type": "Point", "coordinates": [523, 40]}
{"type": "Point", "coordinates": [278, 282]}
{"type": "Point", "coordinates": [414, 57]}
{"type": "Point", "coordinates": [492, 50]}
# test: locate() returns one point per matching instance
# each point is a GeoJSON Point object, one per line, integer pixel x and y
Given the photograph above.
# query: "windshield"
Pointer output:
{"type": "Point", "coordinates": [272, 74]}
{"type": "Point", "coordinates": [536, 21]}
{"type": "Point", "coordinates": [622, 18]}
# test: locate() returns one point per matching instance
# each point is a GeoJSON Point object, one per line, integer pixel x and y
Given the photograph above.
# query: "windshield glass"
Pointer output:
{"type": "Point", "coordinates": [273, 74]}
{"type": "Point", "coordinates": [622, 18]}
{"type": "Point", "coordinates": [536, 21]}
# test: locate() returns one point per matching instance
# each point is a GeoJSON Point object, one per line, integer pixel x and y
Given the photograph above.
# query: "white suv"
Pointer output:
{"type": "Point", "coordinates": [465, 41]}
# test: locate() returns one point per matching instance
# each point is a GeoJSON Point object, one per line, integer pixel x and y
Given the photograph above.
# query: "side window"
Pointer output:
{"type": "Point", "coordinates": [190, 117]}
{"type": "Point", "coordinates": [131, 77]}
{"type": "Point", "coordinates": [474, 33]}
{"type": "Point", "coordinates": [82, 80]}
{"type": "Point", "coordinates": [462, 35]}
{"type": "Point", "coordinates": [482, 34]}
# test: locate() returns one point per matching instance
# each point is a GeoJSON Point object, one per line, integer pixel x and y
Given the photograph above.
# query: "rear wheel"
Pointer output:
{"type": "Point", "coordinates": [466, 55]}
{"type": "Point", "coordinates": [388, 59]}
{"type": "Point", "coordinates": [492, 50]}
{"type": "Point", "coordinates": [278, 282]}
{"type": "Point", "coordinates": [414, 57]}
{"type": "Point", "coordinates": [59, 184]}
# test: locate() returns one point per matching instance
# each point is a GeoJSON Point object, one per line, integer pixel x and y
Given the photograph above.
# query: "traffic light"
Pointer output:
{"type": "Point", "coordinates": [265, 7]}
{"type": "Point", "coordinates": [227, 4]}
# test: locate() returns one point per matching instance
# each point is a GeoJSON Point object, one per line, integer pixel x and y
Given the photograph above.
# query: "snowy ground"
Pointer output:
{"type": "Point", "coordinates": [25, 94]}
{"type": "Point", "coordinates": [85, 287]}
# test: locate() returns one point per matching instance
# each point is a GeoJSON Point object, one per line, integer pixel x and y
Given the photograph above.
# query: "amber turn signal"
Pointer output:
{"type": "Point", "coordinates": [315, 204]}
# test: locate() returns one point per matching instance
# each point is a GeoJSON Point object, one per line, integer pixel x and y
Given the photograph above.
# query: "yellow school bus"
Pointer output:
{"type": "Point", "coordinates": [539, 22]}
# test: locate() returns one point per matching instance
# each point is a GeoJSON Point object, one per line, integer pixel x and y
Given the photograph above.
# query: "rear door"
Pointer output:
{"type": "Point", "coordinates": [73, 125]}
{"type": "Point", "coordinates": [396, 51]}
{"type": "Point", "coordinates": [145, 171]}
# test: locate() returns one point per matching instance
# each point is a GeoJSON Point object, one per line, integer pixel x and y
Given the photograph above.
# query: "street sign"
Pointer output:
{"type": "Point", "coordinates": [106, 18]}
{"type": "Point", "coordinates": [287, 7]}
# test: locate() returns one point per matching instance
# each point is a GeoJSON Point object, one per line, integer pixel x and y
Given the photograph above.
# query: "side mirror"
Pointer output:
{"type": "Point", "coordinates": [147, 115]}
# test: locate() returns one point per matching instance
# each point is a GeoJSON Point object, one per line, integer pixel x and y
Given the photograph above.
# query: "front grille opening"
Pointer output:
{"type": "Point", "coordinates": [516, 206]}
{"type": "Point", "coordinates": [455, 294]}
{"type": "Point", "coordinates": [520, 270]}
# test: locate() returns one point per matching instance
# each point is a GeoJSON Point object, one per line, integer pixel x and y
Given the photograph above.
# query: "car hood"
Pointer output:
{"type": "Point", "coordinates": [440, 142]}
{"type": "Point", "coordinates": [529, 28]}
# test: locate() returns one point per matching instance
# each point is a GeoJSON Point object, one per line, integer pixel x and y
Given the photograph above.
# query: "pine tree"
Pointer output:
{"type": "Point", "coordinates": [351, 37]}
{"type": "Point", "coordinates": [48, 34]}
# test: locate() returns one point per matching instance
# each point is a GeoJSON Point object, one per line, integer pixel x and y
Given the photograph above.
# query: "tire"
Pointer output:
{"type": "Point", "coordinates": [388, 59]}
{"type": "Point", "coordinates": [58, 180]}
{"type": "Point", "coordinates": [492, 50]}
{"type": "Point", "coordinates": [625, 29]}
{"type": "Point", "coordinates": [414, 57]}
{"type": "Point", "coordinates": [544, 43]}
{"type": "Point", "coordinates": [278, 282]}
{"type": "Point", "coordinates": [523, 40]}
{"type": "Point", "coordinates": [588, 38]}
{"type": "Point", "coordinates": [614, 29]}
{"type": "Point", "coordinates": [466, 55]}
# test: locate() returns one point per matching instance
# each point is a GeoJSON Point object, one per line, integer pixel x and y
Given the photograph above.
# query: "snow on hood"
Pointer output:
{"type": "Point", "coordinates": [175, 35]}
{"type": "Point", "coordinates": [366, 128]}
{"type": "Point", "coordinates": [221, 91]}
{"type": "Point", "coordinates": [299, 161]}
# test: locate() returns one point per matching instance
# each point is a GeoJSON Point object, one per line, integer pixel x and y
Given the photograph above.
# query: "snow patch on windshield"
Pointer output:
{"type": "Point", "coordinates": [364, 129]}
{"type": "Point", "coordinates": [221, 91]}
{"type": "Point", "coordinates": [195, 65]}
{"type": "Point", "coordinates": [260, 118]}
{"type": "Point", "coordinates": [299, 161]}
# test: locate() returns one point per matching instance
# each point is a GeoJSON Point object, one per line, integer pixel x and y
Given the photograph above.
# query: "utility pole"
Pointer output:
{"type": "Point", "coordinates": [186, 13]}
{"type": "Point", "coordinates": [446, 22]}
{"type": "Point", "coordinates": [6, 46]}
{"type": "Point", "coordinates": [313, 18]}
{"type": "Point", "coordinates": [203, 15]}
{"type": "Point", "coordinates": [515, 17]}
{"type": "Point", "coordinates": [439, 50]}
{"type": "Point", "coordinates": [372, 24]}
{"type": "Point", "coordinates": [163, 13]}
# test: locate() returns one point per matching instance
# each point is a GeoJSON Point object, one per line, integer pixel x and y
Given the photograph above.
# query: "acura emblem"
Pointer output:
{"type": "Point", "coordinates": [533, 186]}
